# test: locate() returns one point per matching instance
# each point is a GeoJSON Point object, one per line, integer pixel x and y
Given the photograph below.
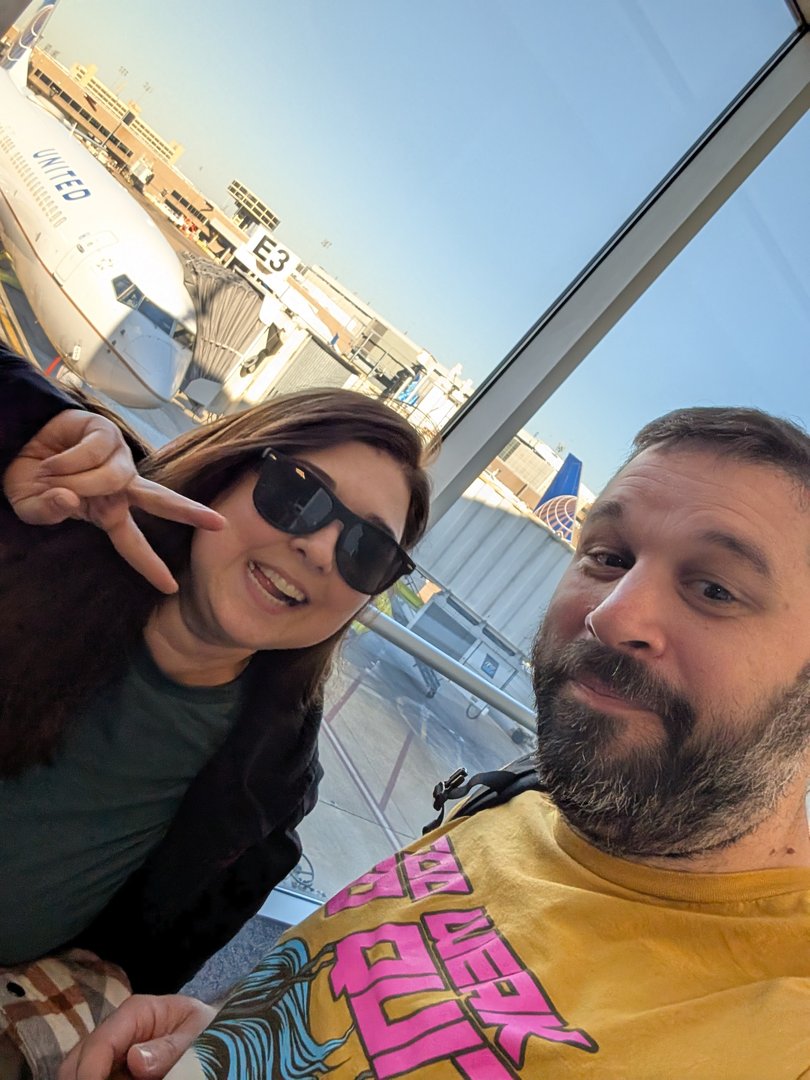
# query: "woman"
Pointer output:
{"type": "Point", "coordinates": [158, 737]}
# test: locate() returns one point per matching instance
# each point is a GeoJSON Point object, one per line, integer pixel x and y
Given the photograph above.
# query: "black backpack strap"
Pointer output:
{"type": "Point", "coordinates": [498, 787]}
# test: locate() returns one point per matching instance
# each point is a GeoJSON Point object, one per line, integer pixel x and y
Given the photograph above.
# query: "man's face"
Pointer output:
{"type": "Point", "coordinates": [672, 670]}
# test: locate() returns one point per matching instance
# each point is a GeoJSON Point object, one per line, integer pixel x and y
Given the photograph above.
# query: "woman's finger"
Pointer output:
{"type": "Point", "coordinates": [98, 445]}
{"type": "Point", "coordinates": [142, 1023]}
{"type": "Point", "coordinates": [133, 547]}
{"type": "Point", "coordinates": [163, 502]}
{"type": "Point", "coordinates": [49, 507]}
{"type": "Point", "coordinates": [109, 478]}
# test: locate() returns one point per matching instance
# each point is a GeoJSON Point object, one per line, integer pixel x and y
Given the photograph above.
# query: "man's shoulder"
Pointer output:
{"type": "Point", "coordinates": [528, 818]}
{"type": "Point", "coordinates": [486, 790]}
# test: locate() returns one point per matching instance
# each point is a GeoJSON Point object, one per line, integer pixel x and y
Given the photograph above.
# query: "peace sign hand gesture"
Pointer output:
{"type": "Point", "coordinates": [79, 466]}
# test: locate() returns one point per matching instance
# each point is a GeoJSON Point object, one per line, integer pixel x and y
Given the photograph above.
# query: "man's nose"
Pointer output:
{"type": "Point", "coordinates": [318, 548]}
{"type": "Point", "coordinates": [631, 617]}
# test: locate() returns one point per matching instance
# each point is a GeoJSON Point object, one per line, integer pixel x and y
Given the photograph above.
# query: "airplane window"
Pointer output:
{"type": "Point", "coordinates": [183, 336]}
{"type": "Point", "coordinates": [122, 285]}
{"type": "Point", "coordinates": [132, 298]}
{"type": "Point", "coordinates": [127, 292]}
{"type": "Point", "coordinates": [156, 315]}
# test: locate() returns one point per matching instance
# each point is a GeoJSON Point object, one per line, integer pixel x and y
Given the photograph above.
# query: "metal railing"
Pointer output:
{"type": "Point", "coordinates": [417, 647]}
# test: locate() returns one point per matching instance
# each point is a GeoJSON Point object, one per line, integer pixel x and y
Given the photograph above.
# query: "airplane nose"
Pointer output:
{"type": "Point", "coordinates": [152, 358]}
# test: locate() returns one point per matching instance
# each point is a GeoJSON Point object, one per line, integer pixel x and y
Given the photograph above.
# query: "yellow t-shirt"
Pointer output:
{"type": "Point", "coordinates": [503, 945]}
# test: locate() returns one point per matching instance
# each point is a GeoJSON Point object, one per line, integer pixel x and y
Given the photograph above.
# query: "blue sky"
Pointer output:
{"type": "Point", "coordinates": [465, 159]}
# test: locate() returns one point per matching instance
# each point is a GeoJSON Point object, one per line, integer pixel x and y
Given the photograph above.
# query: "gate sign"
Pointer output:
{"type": "Point", "coordinates": [265, 257]}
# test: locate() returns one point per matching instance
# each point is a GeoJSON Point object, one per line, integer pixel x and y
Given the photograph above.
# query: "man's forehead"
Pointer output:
{"type": "Point", "coordinates": [699, 478]}
{"type": "Point", "coordinates": [749, 508]}
{"type": "Point", "coordinates": [678, 466]}
{"type": "Point", "coordinates": [669, 470]}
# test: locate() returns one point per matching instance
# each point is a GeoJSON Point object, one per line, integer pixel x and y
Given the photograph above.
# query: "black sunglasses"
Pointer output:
{"type": "Point", "coordinates": [293, 499]}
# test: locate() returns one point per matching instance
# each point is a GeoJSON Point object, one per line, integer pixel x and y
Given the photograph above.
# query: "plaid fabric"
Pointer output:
{"type": "Point", "coordinates": [47, 1006]}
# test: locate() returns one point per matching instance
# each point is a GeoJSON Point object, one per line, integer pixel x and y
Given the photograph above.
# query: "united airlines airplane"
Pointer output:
{"type": "Point", "coordinates": [104, 283]}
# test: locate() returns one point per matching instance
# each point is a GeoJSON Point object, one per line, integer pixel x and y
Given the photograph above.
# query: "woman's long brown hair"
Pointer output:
{"type": "Point", "coordinates": [73, 609]}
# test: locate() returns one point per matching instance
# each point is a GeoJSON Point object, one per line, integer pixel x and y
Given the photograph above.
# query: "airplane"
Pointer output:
{"type": "Point", "coordinates": [104, 283]}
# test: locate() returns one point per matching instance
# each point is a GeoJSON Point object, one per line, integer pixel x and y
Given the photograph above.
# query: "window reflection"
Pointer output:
{"type": "Point", "coordinates": [486, 162]}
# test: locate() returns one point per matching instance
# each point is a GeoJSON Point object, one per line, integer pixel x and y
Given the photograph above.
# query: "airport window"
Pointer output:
{"type": "Point", "coordinates": [467, 217]}
{"type": "Point", "coordinates": [184, 202]}
{"type": "Point", "coordinates": [576, 421]}
{"type": "Point", "coordinates": [736, 294]}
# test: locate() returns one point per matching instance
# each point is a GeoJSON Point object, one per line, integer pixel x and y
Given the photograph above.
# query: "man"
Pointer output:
{"type": "Point", "coordinates": [648, 916]}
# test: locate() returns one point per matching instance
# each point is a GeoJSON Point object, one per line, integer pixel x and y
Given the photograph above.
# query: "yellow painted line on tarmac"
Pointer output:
{"type": "Point", "coordinates": [7, 274]}
{"type": "Point", "coordinates": [12, 330]}
{"type": "Point", "coordinates": [9, 331]}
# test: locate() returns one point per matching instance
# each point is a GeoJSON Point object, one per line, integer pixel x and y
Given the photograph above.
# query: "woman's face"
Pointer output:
{"type": "Point", "coordinates": [253, 587]}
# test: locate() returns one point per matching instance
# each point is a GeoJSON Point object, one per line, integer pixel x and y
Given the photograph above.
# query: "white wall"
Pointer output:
{"type": "Point", "coordinates": [502, 563]}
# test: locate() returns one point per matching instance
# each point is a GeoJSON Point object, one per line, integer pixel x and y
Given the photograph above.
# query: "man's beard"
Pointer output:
{"type": "Point", "coordinates": [703, 784]}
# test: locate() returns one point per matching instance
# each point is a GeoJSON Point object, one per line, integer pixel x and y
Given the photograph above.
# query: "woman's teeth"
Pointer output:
{"type": "Point", "coordinates": [272, 582]}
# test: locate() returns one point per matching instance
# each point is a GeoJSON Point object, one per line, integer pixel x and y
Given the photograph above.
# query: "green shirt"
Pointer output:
{"type": "Point", "coordinates": [72, 832]}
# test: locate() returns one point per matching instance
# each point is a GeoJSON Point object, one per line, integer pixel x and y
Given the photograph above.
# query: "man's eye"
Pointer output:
{"type": "Point", "coordinates": [611, 559]}
{"type": "Point", "coordinates": [712, 591]}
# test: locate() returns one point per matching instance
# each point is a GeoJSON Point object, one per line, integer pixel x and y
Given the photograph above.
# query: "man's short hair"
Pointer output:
{"type": "Point", "coordinates": [748, 435]}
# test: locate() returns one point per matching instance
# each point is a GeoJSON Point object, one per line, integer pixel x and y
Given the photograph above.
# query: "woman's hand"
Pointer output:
{"type": "Point", "coordinates": [146, 1035]}
{"type": "Point", "coordinates": [79, 466]}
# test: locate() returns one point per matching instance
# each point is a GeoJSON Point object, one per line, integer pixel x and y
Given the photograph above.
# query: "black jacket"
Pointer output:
{"type": "Point", "coordinates": [233, 837]}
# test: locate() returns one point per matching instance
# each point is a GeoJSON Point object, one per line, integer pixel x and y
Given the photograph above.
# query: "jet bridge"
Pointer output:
{"type": "Point", "coordinates": [227, 309]}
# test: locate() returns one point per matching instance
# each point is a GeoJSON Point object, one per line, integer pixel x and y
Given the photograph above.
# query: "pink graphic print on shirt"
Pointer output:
{"type": "Point", "coordinates": [434, 869]}
{"type": "Point", "coordinates": [376, 971]}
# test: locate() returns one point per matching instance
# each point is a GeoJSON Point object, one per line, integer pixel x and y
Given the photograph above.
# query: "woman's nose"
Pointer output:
{"type": "Point", "coordinates": [318, 548]}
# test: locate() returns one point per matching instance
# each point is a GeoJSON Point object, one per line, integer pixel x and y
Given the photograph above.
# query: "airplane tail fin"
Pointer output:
{"type": "Point", "coordinates": [558, 504]}
{"type": "Point", "coordinates": [16, 60]}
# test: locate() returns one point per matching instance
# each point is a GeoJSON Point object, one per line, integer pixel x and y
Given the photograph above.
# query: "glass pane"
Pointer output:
{"type": "Point", "coordinates": [727, 323]}
{"type": "Point", "coordinates": [157, 316]}
{"type": "Point", "coordinates": [392, 729]}
{"type": "Point", "coordinates": [456, 165]}
{"type": "Point", "coordinates": [452, 164]}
